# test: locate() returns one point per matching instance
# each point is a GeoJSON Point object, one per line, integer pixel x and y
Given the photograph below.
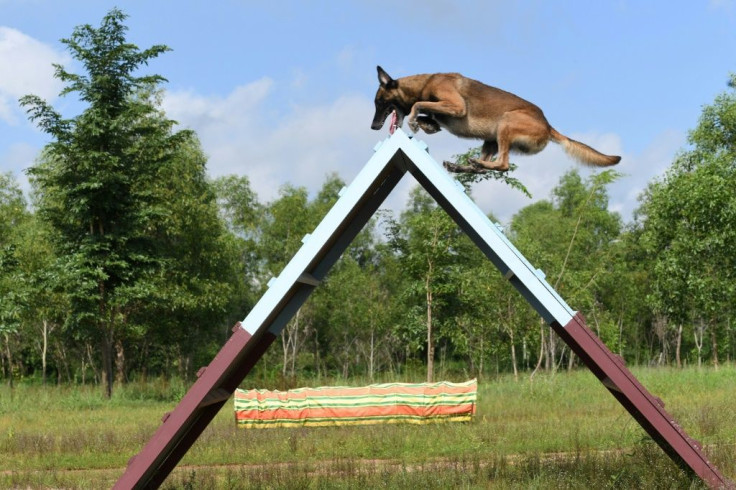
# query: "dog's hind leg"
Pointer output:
{"type": "Point", "coordinates": [487, 152]}
{"type": "Point", "coordinates": [463, 169]}
{"type": "Point", "coordinates": [521, 131]}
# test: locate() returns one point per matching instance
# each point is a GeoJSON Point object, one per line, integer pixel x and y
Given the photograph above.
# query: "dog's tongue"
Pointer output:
{"type": "Point", "coordinates": [392, 127]}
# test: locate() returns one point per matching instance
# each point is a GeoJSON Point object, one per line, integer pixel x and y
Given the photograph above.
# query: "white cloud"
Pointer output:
{"type": "Point", "coordinates": [17, 158]}
{"type": "Point", "coordinates": [26, 67]}
{"type": "Point", "coordinates": [242, 135]}
{"type": "Point", "coordinates": [640, 169]}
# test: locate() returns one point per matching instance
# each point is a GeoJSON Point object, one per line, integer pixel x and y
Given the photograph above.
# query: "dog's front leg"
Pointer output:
{"type": "Point", "coordinates": [453, 106]}
{"type": "Point", "coordinates": [414, 120]}
{"type": "Point", "coordinates": [427, 124]}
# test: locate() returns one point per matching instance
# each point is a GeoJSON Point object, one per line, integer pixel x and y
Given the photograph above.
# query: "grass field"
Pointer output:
{"type": "Point", "coordinates": [562, 431]}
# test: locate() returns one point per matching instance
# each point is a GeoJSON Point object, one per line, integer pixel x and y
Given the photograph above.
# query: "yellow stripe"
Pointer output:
{"type": "Point", "coordinates": [286, 423]}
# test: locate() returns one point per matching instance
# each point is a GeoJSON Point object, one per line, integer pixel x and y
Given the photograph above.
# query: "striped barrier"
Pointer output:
{"type": "Point", "coordinates": [414, 403]}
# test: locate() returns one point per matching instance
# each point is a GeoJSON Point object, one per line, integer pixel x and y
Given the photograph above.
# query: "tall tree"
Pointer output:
{"type": "Point", "coordinates": [13, 293]}
{"type": "Point", "coordinates": [94, 181]}
{"type": "Point", "coordinates": [687, 227]}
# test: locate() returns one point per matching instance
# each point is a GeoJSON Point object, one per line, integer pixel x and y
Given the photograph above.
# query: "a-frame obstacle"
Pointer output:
{"type": "Point", "coordinates": [357, 203]}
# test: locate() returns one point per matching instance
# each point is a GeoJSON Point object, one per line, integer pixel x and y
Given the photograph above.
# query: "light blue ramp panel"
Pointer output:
{"type": "Point", "coordinates": [321, 249]}
{"type": "Point", "coordinates": [359, 201]}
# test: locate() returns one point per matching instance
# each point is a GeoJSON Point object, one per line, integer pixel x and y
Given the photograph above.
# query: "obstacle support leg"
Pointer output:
{"type": "Point", "coordinates": [647, 409]}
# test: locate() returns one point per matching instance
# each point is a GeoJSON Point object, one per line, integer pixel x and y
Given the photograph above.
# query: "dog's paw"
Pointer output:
{"type": "Point", "coordinates": [476, 166]}
{"type": "Point", "coordinates": [428, 125]}
{"type": "Point", "coordinates": [414, 125]}
{"type": "Point", "coordinates": [454, 167]}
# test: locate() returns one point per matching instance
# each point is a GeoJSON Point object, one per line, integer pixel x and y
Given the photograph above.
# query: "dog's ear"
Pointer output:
{"type": "Point", "coordinates": [385, 79]}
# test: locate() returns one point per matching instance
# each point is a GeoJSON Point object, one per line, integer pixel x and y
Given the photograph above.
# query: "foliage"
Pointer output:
{"type": "Point", "coordinates": [133, 263]}
{"type": "Point", "coordinates": [686, 223]}
{"type": "Point", "coordinates": [126, 198]}
{"type": "Point", "coordinates": [471, 178]}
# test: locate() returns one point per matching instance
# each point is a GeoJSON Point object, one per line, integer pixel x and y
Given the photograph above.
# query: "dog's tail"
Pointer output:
{"type": "Point", "coordinates": [582, 152]}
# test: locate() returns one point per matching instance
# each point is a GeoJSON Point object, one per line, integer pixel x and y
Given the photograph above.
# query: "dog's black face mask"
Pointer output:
{"type": "Point", "coordinates": [383, 109]}
{"type": "Point", "coordinates": [387, 100]}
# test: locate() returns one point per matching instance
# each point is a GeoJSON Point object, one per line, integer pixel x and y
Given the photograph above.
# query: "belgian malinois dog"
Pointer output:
{"type": "Point", "coordinates": [470, 109]}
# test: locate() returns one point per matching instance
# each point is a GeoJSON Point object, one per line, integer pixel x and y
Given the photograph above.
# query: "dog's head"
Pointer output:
{"type": "Point", "coordinates": [388, 98]}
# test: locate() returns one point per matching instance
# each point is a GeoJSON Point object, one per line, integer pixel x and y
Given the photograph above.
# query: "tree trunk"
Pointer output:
{"type": "Point", "coordinates": [482, 356]}
{"type": "Point", "coordinates": [660, 329]}
{"type": "Point", "coordinates": [549, 361]}
{"type": "Point", "coordinates": [294, 348]}
{"type": "Point", "coordinates": [108, 337]}
{"type": "Point", "coordinates": [699, 333]}
{"type": "Point", "coordinates": [524, 353]}
{"type": "Point", "coordinates": [9, 356]}
{"type": "Point", "coordinates": [541, 349]}
{"type": "Point", "coordinates": [120, 362]}
{"type": "Point", "coordinates": [291, 342]}
{"type": "Point", "coordinates": [143, 363]}
{"type": "Point", "coordinates": [571, 361]}
{"type": "Point", "coordinates": [513, 353]}
{"type": "Point", "coordinates": [621, 334]}
{"type": "Point", "coordinates": [510, 330]}
{"type": "Point", "coordinates": [678, 345]}
{"type": "Point", "coordinates": [95, 373]}
{"type": "Point", "coordinates": [714, 344]}
{"type": "Point", "coordinates": [430, 341]}
{"type": "Point", "coordinates": [285, 353]}
{"type": "Point", "coordinates": [372, 355]}
{"type": "Point", "coordinates": [317, 359]}
{"type": "Point", "coordinates": [107, 363]}
{"type": "Point", "coordinates": [44, 349]}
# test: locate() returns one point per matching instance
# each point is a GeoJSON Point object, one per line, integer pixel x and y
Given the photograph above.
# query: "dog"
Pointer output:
{"type": "Point", "coordinates": [470, 109]}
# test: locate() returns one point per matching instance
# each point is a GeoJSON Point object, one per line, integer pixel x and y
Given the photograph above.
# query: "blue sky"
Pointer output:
{"type": "Point", "coordinates": [282, 91]}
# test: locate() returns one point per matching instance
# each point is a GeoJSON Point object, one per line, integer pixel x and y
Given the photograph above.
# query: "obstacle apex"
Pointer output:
{"type": "Point", "coordinates": [357, 203]}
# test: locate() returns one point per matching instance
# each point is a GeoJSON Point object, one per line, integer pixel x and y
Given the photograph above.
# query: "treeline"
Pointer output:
{"type": "Point", "coordinates": [130, 262]}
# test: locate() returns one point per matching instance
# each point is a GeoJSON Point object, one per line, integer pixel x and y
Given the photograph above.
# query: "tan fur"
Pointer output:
{"type": "Point", "coordinates": [471, 109]}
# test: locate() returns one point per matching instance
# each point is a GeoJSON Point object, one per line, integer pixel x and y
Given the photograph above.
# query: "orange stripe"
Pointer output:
{"type": "Point", "coordinates": [352, 412]}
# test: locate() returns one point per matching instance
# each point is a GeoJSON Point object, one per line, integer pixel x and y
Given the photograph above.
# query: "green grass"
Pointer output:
{"type": "Point", "coordinates": [70, 437]}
